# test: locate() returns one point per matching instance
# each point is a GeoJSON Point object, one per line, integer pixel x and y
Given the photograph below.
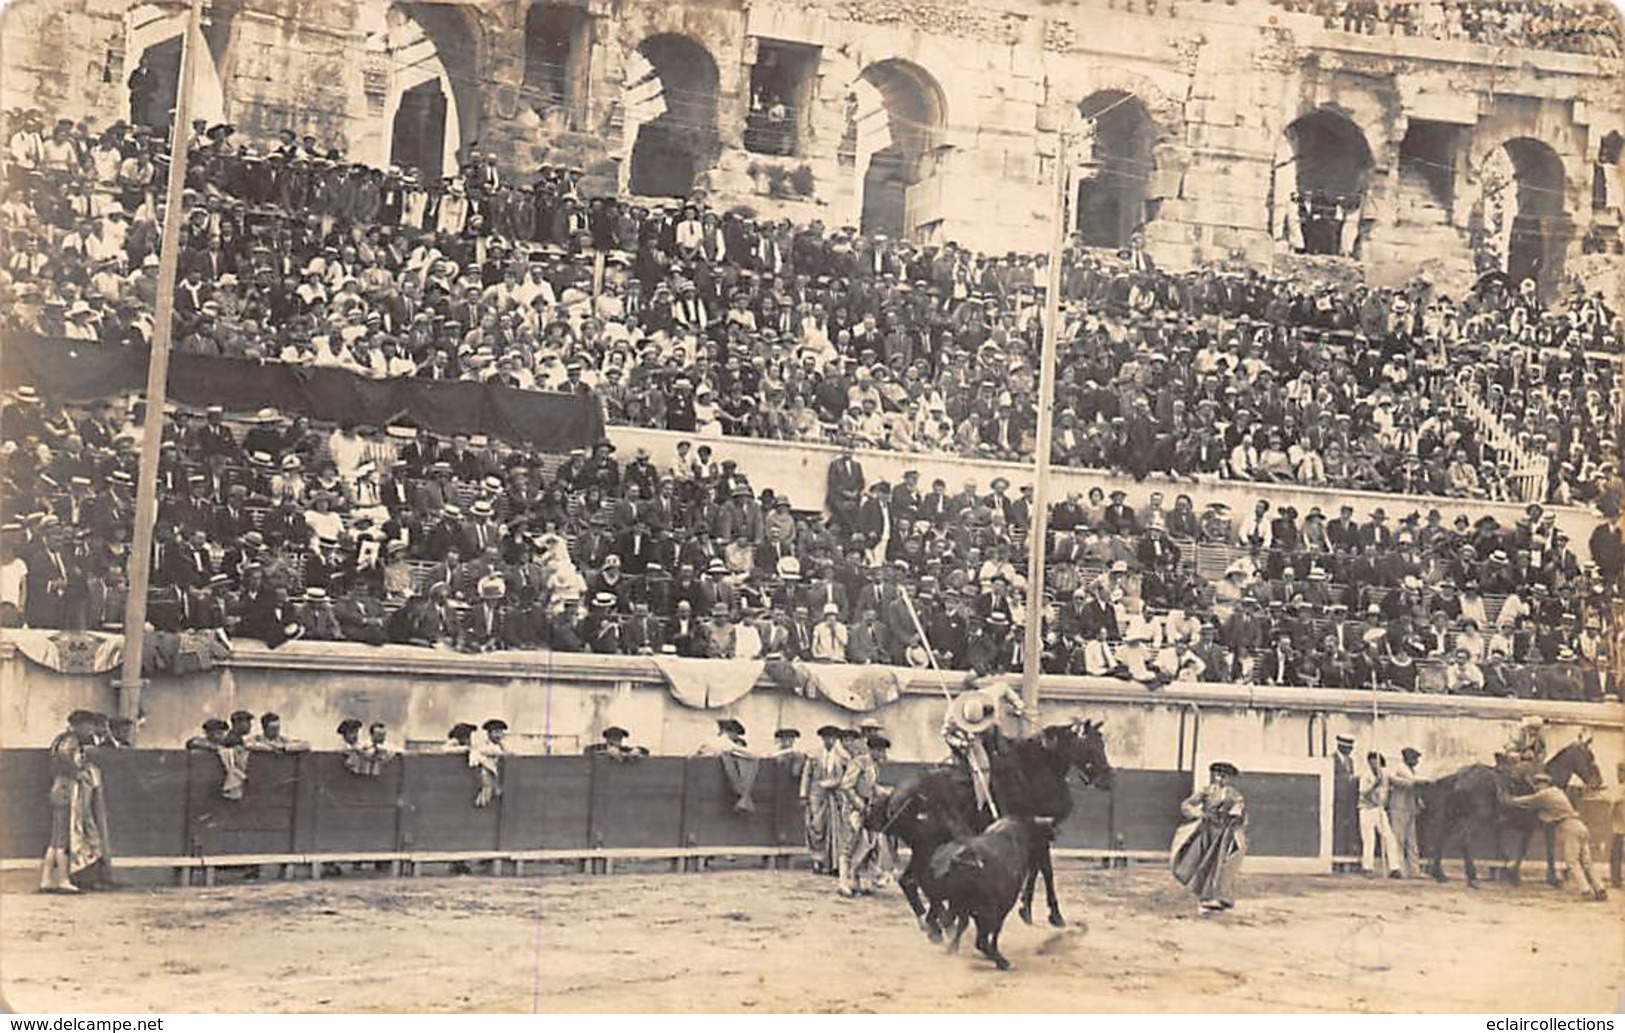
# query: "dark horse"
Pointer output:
{"type": "Point", "coordinates": [1029, 779]}
{"type": "Point", "coordinates": [1460, 804]}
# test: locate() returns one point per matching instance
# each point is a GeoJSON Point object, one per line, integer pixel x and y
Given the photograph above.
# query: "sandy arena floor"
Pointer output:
{"type": "Point", "coordinates": [770, 941]}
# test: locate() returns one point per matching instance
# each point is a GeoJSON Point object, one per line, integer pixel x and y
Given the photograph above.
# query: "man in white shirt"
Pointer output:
{"type": "Point", "coordinates": [1373, 793]}
{"type": "Point", "coordinates": [1178, 663]}
{"type": "Point", "coordinates": [830, 637]}
{"type": "Point", "coordinates": [348, 450]}
{"type": "Point", "coordinates": [1462, 676]}
{"type": "Point", "coordinates": [1099, 659]}
{"type": "Point", "coordinates": [1136, 659]}
{"type": "Point", "coordinates": [13, 579]}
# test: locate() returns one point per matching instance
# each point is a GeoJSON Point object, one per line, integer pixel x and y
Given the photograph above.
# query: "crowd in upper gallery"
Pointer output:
{"type": "Point", "coordinates": [717, 323]}
{"type": "Point", "coordinates": [1576, 28]}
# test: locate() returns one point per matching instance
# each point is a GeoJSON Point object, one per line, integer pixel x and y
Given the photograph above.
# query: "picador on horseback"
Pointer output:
{"type": "Point", "coordinates": [1528, 746]}
{"type": "Point", "coordinates": [972, 732]}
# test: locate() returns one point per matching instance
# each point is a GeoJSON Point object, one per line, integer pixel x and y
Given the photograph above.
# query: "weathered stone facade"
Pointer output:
{"type": "Point", "coordinates": [976, 100]}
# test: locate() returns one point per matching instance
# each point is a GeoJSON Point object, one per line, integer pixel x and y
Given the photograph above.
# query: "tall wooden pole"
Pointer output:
{"type": "Point", "coordinates": [152, 423]}
{"type": "Point", "coordinates": [1038, 531]}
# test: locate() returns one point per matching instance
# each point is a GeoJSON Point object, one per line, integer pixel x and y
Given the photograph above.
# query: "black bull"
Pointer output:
{"type": "Point", "coordinates": [1028, 779]}
{"type": "Point", "coordinates": [1466, 802]}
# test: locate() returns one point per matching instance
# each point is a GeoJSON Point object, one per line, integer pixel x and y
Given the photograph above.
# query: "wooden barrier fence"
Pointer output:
{"type": "Point", "coordinates": [165, 811]}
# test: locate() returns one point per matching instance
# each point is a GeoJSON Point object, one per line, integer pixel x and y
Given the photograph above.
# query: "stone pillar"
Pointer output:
{"type": "Point", "coordinates": [502, 130]}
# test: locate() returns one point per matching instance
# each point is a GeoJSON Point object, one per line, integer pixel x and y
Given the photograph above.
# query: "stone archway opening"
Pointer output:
{"type": "Point", "coordinates": [676, 147]}
{"type": "Point", "coordinates": [434, 107]}
{"type": "Point", "coordinates": [1525, 213]}
{"type": "Point", "coordinates": [153, 39]}
{"type": "Point", "coordinates": [1332, 168]}
{"type": "Point", "coordinates": [1114, 180]}
{"type": "Point", "coordinates": [901, 113]}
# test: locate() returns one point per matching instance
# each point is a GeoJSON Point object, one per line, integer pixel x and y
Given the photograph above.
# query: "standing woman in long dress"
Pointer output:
{"type": "Point", "coordinates": [1208, 849]}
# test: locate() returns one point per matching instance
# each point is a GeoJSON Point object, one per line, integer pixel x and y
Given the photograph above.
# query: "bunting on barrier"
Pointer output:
{"type": "Point", "coordinates": [549, 421]}
{"type": "Point", "coordinates": [69, 652]}
{"type": "Point", "coordinates": [859, 687]}
{"type": "Point", "coordinates": [184, 652]}
{"type": "Point", "coordinates": [708, 683]}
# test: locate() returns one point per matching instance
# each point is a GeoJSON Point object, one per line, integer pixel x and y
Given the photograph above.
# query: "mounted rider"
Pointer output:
{"type": "Point", "coordinates": [971, 730]}
{"type": "Point", "coordinates": [1528, 744]}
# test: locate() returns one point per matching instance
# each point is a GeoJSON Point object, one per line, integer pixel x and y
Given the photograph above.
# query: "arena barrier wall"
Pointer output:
{"type": "Point", "coordinates": [165, 806]}
{"type": "Point", "coordinates": [165, 810]}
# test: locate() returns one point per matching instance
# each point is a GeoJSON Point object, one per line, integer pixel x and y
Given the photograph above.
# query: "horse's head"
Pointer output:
{"type": "Point", "coordinates": [1083, 747]}
{"type": "Point", "coordinates": [1576, 759]}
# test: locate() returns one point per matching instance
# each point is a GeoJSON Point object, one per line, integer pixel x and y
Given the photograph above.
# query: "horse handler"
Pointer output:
{"type": "Point", "coordinates": [1551, 805]}
{"type": "Point", "coordinates": [1208, 849]}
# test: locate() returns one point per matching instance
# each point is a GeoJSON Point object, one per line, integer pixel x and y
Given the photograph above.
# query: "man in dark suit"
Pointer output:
{"type": "Point", "coordinates": [824, 590]}
{"type": "Point", "coordinates": [635, 546]}
{"type": "Point", "coordinates": [874, 522]}
{"type": "Point", "coordinates": [485, 627]}
{"type": "Point", "coordinates": [845, 489]}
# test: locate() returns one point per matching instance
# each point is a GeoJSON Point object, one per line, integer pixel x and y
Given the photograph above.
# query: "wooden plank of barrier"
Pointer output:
{"type": "Point", "coordinates": [638, 803]}
{"type": "Point", "coordinates": [352, 813]}
{"type": "Point", "coordinates": [710, 813]}
{"type": "Point", "coordinates": [439, 794]}
{"type": "Point", "coordinates": [528, 791]}
{"type": "Point", "coordinates": [1283, 813]}
{"type": "Point", "coordinates": [304, 804]}
{"type": "Point", "coordinates": [789, 820]}
{"type": "Point", "coordinates": [146, 801]}
{"type": "Point", "coordinates": [1089, 826]}
{"type": "Point", "coordinates": [26, 830]}
{"type": "Point", "coordinates": [1145, 807]}
{"type": "Point", "coordinates": [261, 822]}
{"type": "Point", "coordinates": [566, 785]}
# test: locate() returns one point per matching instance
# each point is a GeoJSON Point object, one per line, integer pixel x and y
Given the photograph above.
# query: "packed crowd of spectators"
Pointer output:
{"type": "Point", "coordinates": [717, 323]}
{"type": "Point", "coordinates": [1576, 28]}
{"type": "Point", "coordinates": [272, 529]}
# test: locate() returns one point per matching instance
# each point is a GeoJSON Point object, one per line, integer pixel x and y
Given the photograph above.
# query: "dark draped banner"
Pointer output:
{"type": "Point", "coordinates": [544, 420]}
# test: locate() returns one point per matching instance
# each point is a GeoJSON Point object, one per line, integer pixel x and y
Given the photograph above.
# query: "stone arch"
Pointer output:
{"type": "Point", "coordinates": [153, 34]}
{"type": "Point", "coordinates": [434, 102]}
{"type": "Point", "coordinates": [1331, 171]}
{"type": "Point", "coordinates": [1116, 177]}
{"type": "Point", "coordinates": [900, 113]}
{"type": "Point", "coordinates": [1330, 152]}
{"type": "Point", "coordinates": [1523, 211]}
{"type": "Point", "coordinates": [674, 149]}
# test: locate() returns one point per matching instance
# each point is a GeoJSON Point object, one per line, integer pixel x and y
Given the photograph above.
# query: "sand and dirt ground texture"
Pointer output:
{"type": "Point", "coordinates": [771, 941]}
